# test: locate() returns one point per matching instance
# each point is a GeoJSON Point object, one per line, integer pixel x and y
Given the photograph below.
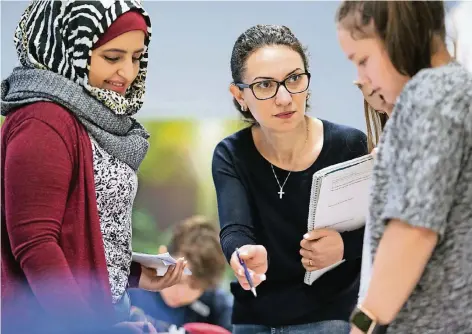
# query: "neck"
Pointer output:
{"type": "Point", "coordinates": [285, 147]}
{"type": "Point", "coordinates": [441, 57]}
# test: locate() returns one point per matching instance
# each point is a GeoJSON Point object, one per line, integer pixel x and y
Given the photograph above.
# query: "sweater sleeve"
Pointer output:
{"type": "Point", "coordinates": [37, 176]}
{"type": "Point", "coordinates": [234, 211]}
{"type": "Point", "coordinates": [135, 275]}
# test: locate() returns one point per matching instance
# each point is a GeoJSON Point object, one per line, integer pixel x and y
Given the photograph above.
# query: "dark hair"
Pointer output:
{"type": "Point", "coordinates": [252, 40]}
{"type": "Point", "coordinates": [197, 239]}
{"type": "Point", "coordinates": [407, 28]}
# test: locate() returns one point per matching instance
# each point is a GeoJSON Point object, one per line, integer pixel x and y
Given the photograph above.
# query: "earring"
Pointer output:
{"type": "Point", "coordinates": [243, 109]}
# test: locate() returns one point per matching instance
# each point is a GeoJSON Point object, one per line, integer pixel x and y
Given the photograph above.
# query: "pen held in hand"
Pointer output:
{"type": "Point", "coordinates": [246, 273]}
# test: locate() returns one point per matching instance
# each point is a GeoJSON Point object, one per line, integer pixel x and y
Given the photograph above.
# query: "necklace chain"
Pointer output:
{"type": "Point", "coordinates": [281, 187]}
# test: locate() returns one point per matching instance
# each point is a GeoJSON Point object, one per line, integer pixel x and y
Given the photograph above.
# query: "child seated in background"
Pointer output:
{"type": "Point", "coordinates": [196, 298]}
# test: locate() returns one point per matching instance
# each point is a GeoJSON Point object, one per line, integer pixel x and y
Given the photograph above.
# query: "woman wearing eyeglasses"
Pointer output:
{"type": "Point", "coordinates": [263, 176]}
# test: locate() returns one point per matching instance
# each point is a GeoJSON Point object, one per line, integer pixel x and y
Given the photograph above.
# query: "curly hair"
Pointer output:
{"type": "Point", "coordinates": [197, 239]}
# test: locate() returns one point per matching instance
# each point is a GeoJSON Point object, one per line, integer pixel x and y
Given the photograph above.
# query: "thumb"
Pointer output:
{"type": "Point", "coordinates": [316, 234]}
{"type": "Point", "coordinates": [162, 249]}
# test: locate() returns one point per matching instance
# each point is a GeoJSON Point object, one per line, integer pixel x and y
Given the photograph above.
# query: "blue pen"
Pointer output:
{"type": "Point", "coordinates": [246, 273]}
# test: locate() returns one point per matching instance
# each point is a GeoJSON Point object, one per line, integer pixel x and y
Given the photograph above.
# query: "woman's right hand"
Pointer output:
{"type": "Point", "coordinates": [255, 258]}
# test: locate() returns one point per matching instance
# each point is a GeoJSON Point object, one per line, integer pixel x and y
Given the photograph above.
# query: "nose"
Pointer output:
{"type": "Point", "coordinates": [283, 96]}
{"type": "Point", "coordinates": [128, 70]}
{"type": "Point", "coordinates": [362, 77]}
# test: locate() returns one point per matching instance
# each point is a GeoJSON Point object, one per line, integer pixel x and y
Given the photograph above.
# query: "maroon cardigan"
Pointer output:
{"type": "Point", "coordinates": [53, 259]}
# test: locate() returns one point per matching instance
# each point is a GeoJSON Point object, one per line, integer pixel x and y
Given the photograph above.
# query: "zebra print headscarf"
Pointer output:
{"type": "Point", "coordinates": [58, 36]}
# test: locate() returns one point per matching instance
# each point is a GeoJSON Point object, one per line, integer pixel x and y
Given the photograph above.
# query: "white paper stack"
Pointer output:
{"type": "Point", "coordinates": [160, 262]}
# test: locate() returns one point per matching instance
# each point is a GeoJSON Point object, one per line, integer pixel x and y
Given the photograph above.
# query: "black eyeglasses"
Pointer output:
{"type": "Point", "coordinates": [267, 89]}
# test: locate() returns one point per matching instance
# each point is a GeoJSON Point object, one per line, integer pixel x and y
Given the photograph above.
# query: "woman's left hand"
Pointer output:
{"type": "Point", "coordinates": [321, 248]}
{"type": "Point", "coordinates": [150, 281]}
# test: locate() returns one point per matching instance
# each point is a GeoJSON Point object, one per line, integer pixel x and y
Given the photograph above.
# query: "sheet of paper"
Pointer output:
{"type": "Point", "coordinates": [160, 262]}
{"type": "Point", "coordinates": [343, 198]}
{"type": "Point", "coordinates": [314, 275]}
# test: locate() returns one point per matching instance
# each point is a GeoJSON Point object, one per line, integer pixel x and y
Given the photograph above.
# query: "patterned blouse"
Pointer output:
{"type": "Point", "coordinates": [115, 185]}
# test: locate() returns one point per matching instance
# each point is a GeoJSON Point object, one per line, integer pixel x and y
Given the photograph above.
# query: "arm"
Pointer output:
{"type": "Point", "coordinates": [134, 275]}
{"type": "Point", "coordinates": [237, 227]}
{"type": "Point", "coordinates": [38, 172]}
{"type": "Point", "coordinates": [401, 258]}
{"type": "Point", "coordinates": [421, 187]}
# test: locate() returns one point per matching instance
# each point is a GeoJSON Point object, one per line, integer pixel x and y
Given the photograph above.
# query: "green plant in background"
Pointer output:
{"type": "Point", "coordinates": [175, 179]}
{"type": "Point", "coordinates": [147, 237]}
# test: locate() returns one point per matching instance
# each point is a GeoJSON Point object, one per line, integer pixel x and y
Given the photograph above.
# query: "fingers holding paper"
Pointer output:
{"type": "Point", "coordinates": [321, 248]}
{"type": "Point", "coordinates": [255, 258]}
{"type": "Point", "coordinates": [150, 281]}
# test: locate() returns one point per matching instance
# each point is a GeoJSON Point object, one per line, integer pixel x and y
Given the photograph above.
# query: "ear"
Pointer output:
{"type": "Point", "coordinates": [237, 94]}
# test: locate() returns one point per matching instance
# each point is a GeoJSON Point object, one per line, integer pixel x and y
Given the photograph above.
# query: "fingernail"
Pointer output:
{"type": "Point", "coordinates": [240, 272]}
{"type": "Point", "coordinates": [185, 262]}
{"type": "Point", "coordinates": [263, 277]}
{"type": "Point", "coordinates": [182, 259]}
{"type": "Point", "coordinates": [306, 236]}
{"type": "Point", "coordinates": [243, 254]}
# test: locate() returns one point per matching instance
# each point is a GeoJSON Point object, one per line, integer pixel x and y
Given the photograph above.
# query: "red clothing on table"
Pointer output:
{"type": "Point", "coordinates": [53, 256]}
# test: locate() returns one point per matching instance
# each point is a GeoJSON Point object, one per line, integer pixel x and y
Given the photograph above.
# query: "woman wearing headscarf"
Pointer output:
{"type": "Point", "coordinates": [70, 153]}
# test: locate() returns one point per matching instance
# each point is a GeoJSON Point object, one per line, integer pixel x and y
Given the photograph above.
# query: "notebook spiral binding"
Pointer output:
{"type": "Point", "coordinates": [315, 192]}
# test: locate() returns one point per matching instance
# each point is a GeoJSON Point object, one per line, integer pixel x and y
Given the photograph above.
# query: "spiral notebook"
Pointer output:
{"type": "Point", "coordinates": [339, 200]}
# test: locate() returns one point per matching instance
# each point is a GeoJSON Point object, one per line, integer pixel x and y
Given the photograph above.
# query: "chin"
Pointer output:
{"type": "Point", "coordinates": [389, 99]}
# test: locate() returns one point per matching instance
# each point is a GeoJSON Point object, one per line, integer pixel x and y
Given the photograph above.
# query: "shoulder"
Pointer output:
{"type": "Point", "coordinates": [345, 136]}
{"type": "Point", "coordinates": [53, 115]}
{"type": "Point", "coordinates": [440, 80]}
{"type": "Point", "coordinates": [438, 89]}
{"type": "Point", "coordinates": [435, 96]}
{"type": "Point", "coordinates": [343, 131]}
{"type": "Point", "coordinates": [234, 145]}
{"type": "Point", "coordinates": [235, 141]}
{"type": "Point", "coordinates": [47, 112]}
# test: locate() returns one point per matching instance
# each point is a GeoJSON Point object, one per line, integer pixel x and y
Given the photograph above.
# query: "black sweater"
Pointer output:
{"type": "Point", "coordinates": [251, 212]}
